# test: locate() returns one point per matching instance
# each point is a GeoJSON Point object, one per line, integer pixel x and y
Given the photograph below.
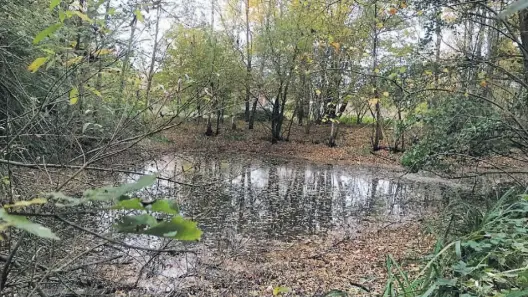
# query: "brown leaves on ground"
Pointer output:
{"type": "Point", "coordinates": [313, 265]}
{"type": "Point", "coordinates": [353, 143]}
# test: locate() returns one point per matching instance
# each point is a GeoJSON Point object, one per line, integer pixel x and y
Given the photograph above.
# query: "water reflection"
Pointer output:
{"type": "Point", "coordinates": [274, 199]}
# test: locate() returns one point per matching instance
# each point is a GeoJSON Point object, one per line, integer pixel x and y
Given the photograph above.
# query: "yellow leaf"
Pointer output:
{"type": "Point", "coordinates": [83, 16]}
{"type": "Point", "coordinates": [403, 5]}
{"type": "Point", "coordinates": [386, 94]}
{"type": "Point", "coordinates": [33, 67]}
{"type": "Point", "coordinates": [484, 83]}
{"type": "Point", "coordinates": [95, 91]}
{"type": "Point", "coordinates": [466, 94]}
{"type": "Point", "coordinates": [428, 72]}
{"type": "Point", "coordinates": [280, 290]}
{"type": "Point", "coordinates": [336, 45]}
{"type": "Point", "coordinates": [102, 52]}
{"type": "Point", "coordinates": [139, 16]}
{"type": "Point", "coordinates": [26, 203]}
{"type": "Point", "coordinates": [419, 12]}
{"type": "Point", "coordinates": [318, 92]}
{"type": "Point", "coordinates": [379, 25]}
{"type": "Point", "coordinates": [73, 61]}
{"type": "Point", "coordinates": [74, 96]}
{"type": "Point", "coordinates": [446, 70]}
{"type": "Point", "coordinates": [376, 70]}
{"type": "Point", "coordinates": [373, 101]}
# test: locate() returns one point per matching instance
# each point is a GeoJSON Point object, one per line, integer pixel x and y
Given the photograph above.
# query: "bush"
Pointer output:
{"type": "Point", "coordinates": [490, 260]}
{"type": "Point", "coordinates": [461, 129]}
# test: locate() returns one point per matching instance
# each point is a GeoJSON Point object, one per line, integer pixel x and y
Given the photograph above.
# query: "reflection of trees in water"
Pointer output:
{"type": "Point", "coordinates": [262, 199]}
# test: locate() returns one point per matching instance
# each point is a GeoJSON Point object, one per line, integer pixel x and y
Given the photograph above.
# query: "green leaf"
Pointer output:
{"type": "Point", "coordinates": [129, 204]}
{"type": "Point", "coordinates": [74, 96]}
{"type": "Point", "coordinates": [22, 223]}
{"type": "Point", "coordinates": [61, 196]}
{"type": "Point", "coordinates": [54, 3]}
{"type": "Point", "coordinates": [46, 32]}
{"type": "Point", "coordinates": [33, 67]}
{"type": "Point", "coordinates": [336, 293]}
{"type": "Point", "coordinates": [446, 282]}
{"type": "Point", "coordinates": [178, 228]}
{"type": "Point", "coordinates": [513, 8]}
{"type": "Point", "coordinates": [280, 290]}
{"type": "Point", "coordinates": [458, 250]}
{"type": "Point", "coordinates": [83, 16]}
{"type": "Point", "coordinates": [136, 224]}
{"type": "Point", "coordinates": [517, 293]}
{"type": "Point", "coordinates": [429, 291]}
{"type": "Point", "coordinates": [165, 206]}
{"type": "Point", "coordinates": [139, 16]}
{"type": "Point", "coordinates": [113, 193]}
{"type": "Point", "coordinates": [62, 16]}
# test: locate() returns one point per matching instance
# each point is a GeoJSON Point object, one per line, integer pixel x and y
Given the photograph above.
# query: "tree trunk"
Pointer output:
{"type": "Point", "coordinates": [523, 28]}
{"type": "Point", "coordinates": [126, 62]}
{"type": "Point", "coordinates": [438, 33]}
{"type": "Point", "coordinates": [233, 123]}
{"type": "Point", "coordinates": [217, 122]}
{"type": "Point", "coordinates": [252, 115]}
{"type": "Point", "coordinates": [209, 131]}
{"type": "Point", "coordinates": [248, 64]}
{"type": "Point", "coordinates": [333, 134]}
{"type": "Point", "coordinates": [275, 133]}
{"type": "Point", "coordinates": [377, 132]}
{"type": "Point", "coordinates": [153, 58]}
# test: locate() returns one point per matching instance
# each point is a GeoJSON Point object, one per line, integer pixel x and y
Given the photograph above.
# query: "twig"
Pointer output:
{"type": "Point", "coordinates": [89, 264]}
{"type": "Point", "coordinates": [80, 167]}
{"type": "Point", "coordinates": [9, 260]}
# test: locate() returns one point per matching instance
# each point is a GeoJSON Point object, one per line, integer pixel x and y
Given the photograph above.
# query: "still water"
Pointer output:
{"type": "Point", "coordinates": [278, 199]}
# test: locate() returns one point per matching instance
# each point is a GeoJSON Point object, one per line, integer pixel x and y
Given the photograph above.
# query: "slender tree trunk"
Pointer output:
{"type": "Point", "coordinates": [126, 62]}
{"type": "Point", "coordinates": [252, 114]}
{"type": "Point", "coordinates": [217, 122]}
{"type": "Point", "coordinates": [153, 58]}
{"type": "Point", "coordinates": [275, 133]}
{"type": "Point", "coordinates": [248, 65]}
{"type": "Point", "coordinates": [98, 84]}
{"type": "Point", "coordinates": [523, 27]}
{"type": "Point", "coordinates": [378, 132]}
{"type": "Point", "coordinates": [438, 32]}
{"type": "Point", "coordinates": [209, 130]}
{"type": "Point", "coordinates": [233, 123]}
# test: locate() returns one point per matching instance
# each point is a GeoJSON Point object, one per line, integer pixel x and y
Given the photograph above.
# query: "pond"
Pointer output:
{"type": "Point", "coordinates": [244, 204]}
{"type": "Point", "coordinates": [280, 199]}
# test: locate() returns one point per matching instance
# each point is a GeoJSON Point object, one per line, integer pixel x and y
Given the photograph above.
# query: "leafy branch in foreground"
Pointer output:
{"type": "Point", "coordinates": [160, 218]}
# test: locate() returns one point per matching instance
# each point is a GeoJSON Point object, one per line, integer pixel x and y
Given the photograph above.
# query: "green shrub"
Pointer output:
{"type": "Point", "coordinates": [490, 260]}
{"type": "Point", "coordinates": [460, 128]}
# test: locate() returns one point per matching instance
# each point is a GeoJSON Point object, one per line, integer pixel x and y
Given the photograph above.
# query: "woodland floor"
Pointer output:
{"type": "Point", "coordinates": [353, 143]}
{"type": "Point", "coordinates": [315, 265]}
